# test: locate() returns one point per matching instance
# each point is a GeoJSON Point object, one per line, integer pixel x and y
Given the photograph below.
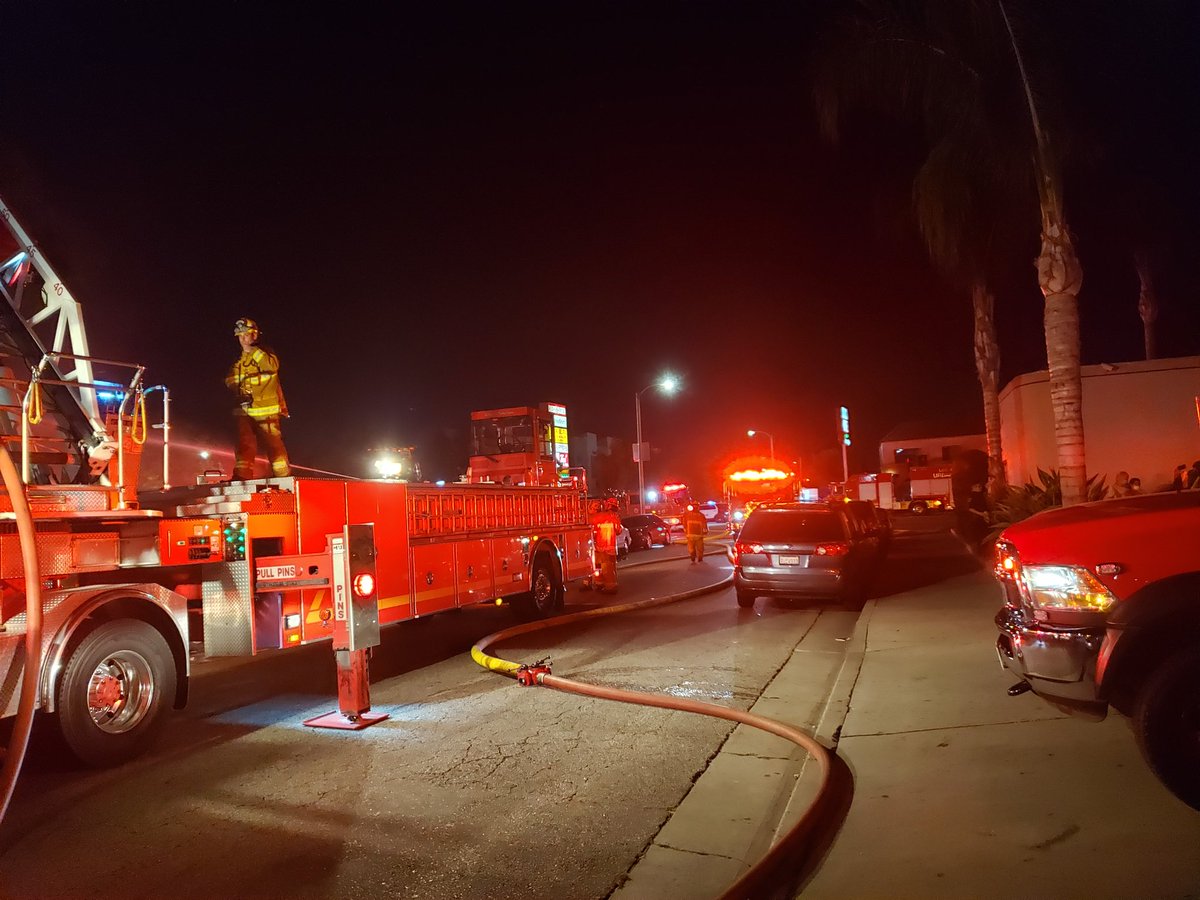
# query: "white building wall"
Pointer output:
{"type": "Point", "coordinates": [1139, 417]}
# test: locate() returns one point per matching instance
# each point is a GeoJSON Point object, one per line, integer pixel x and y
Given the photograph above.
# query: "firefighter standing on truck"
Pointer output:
{"type": "Point", "coordinates": [606, 523]}
{"type": "Point", "coordinates": [254, 379]}
{"type": "Point", "coordinates": [695, 527]}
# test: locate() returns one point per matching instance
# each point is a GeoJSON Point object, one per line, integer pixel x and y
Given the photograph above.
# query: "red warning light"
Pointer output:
{"type": "Point", "coordinates": [364, 585]}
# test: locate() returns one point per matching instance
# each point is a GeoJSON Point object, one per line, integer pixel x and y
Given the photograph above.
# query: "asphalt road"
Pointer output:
{"type": "Point", "coordinates": [473, 787]}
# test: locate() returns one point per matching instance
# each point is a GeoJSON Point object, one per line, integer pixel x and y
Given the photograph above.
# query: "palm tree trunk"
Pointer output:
{"type": "Point", "coordinates": [1147, 302]}
{"type": "Point", "coordinates": [987, 367]}
{"type": "Point", "coordinates": [1060, 277]}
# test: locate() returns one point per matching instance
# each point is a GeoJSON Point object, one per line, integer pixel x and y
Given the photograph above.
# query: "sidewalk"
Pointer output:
{"type": "Point", "coordinates": [963, 791]}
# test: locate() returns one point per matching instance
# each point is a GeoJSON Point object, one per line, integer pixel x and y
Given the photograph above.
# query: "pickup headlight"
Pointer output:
{"type": "Point", "coordinates": [1064, 587]}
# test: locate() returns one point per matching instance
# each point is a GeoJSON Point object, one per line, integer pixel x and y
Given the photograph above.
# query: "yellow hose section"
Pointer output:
{"type": "Point", "coordinates": [137, 428]}
{"type": "Point", "coordinates": [494, 663]}
{"type": "Point", "coordinates": [35, 405]}
{"type": "Point", "coordinates": [507, 667]}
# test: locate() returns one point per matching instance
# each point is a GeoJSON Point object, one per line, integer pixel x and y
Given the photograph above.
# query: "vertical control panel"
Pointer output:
{"type": "Point", "coordinates": [355, 589]}
{"type": "Point", "coordinates": [234, 537]}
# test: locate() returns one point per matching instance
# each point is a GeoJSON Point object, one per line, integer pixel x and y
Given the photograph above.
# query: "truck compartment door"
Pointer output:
{"type": "Point", "coordinates": [433, 577]}
{"type": "Point", "coordinates": [508, 562]}
{"type": "Point", "coordinates": [473, 565]}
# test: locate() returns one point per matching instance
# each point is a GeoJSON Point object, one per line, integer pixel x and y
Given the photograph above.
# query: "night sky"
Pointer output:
{"type": "Point", "coordinates": [430, 212]}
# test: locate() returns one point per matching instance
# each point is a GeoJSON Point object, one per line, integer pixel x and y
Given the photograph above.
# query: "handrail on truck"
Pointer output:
{"type": "Point", "coordinates": [134, 391]}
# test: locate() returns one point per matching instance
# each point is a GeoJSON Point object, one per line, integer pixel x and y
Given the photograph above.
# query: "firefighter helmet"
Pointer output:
{"type": "Point", "coordinates": [245, 326]}
{"type": "Point", "coordinates": [612, 503]}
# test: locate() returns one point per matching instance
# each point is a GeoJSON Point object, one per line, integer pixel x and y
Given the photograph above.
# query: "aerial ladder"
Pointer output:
{"type": "Point", "coordinates": [73, 432]}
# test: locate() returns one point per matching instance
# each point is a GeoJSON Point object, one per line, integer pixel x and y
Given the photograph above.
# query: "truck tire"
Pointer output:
{"type": "Point", "coordinates": [115, 692]}
{"type": "Point", "coordinates": [1166, 722]}
{"type": "Point", "coordinates": [745, 599]}
{"type": "Point", "coordinates": [545, 588]}
{"type": "Point", "coordinates": [920, 507]}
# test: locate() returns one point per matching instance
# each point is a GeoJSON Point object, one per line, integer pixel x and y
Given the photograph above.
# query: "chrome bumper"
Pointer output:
{"type": "Point", "coordinates": [1059, 664]}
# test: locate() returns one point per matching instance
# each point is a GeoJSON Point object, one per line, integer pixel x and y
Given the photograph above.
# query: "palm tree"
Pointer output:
{"type": "Point", "coordinates": [956, 67]}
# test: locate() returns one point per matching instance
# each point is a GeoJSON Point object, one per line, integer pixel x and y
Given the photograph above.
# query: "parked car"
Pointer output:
{"type": "Point", "coordinates": [624, 542]}
{"type": "Point", "coordinates": [645, 531]}
{"type": "Point", "coordinates": [801, 550]}
{"type": "Point", "coordinates": [1102, 610]}
{"type": "Point", "coordinates": [714, 511]}
{"type": "Point", "coordinates": [884, 518]}
{"type": "Point", "coordinates": [864, 516]}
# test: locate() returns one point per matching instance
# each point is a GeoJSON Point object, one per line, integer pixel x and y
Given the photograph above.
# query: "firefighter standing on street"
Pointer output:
{"type": "Point", "coordinates": [695, 527]}
{"type": "Point", "coordinates": [606, 523]}
{"type": "Point", "coordinates": [254, 379]}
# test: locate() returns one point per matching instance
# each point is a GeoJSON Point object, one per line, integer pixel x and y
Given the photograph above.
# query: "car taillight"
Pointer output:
{"type": "Point", "coordinates": [834, 548]}
{"type": "Point", "coordinates": [740, 550]}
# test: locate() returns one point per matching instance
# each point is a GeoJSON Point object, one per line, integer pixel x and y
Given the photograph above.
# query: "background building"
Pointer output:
{"type": "Point", "coordinates": [1138, 417]}
{"type": "Point", "coordinates": [927, 443]}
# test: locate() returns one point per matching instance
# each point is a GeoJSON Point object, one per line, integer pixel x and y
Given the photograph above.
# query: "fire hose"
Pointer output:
{"type": "Point", "coordinates": [19, 741]}
{"type": "Point", "coordinates": [753, 881]}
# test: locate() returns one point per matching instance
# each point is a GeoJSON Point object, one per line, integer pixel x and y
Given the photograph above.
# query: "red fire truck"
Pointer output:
{"type": "Point", "coordinates": [268, 564]}
{"type": "Point", "coordinates": [926, 488]}
{"type": "Point", "coordinates": [520, 445]}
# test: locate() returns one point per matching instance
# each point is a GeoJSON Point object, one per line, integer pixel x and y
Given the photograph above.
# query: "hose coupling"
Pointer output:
{"type": "Point", "coordinates": [527, 676]}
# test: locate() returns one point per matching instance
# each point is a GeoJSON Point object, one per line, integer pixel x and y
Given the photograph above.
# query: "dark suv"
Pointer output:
{"type": "Point", "coordinates": [646, 531]}
{"type": "Point", "coordinates": [801, 550]}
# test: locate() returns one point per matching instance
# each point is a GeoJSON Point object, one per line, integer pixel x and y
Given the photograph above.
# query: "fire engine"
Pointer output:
{"type": "Point", "coordinates": [928, 487]}
{"type": "Point", "coordinates": [520, 445]}
{"type": "Point", "coordinates": [267, 564]}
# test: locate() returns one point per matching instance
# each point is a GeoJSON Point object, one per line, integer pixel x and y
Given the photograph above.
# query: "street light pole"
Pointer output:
{"type": "Point", "coordinates": [637, 405]}
{"type": "Point", "coordinates": [668, 384]}
{"type": "Point", "coordinates": [770, 437]}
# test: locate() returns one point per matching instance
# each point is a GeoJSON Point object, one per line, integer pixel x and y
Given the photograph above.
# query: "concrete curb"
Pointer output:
{"type": "Point", "coordinates": [829, 727]}
{"type": "Point", "coordinates": [833, 717]}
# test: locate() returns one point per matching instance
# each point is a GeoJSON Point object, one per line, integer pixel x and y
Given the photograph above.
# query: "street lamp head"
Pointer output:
{"type": "Point", "coordinates": [668, 384]}
{"type": "Point", "coordinates": [751, 432]}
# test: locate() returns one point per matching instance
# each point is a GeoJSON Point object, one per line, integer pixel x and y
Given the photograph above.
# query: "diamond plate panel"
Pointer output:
{"type": "Point", "coordinates": [228, 609]}
{"type": "Point", "coordinates": [72, 498]}
{"type": "Point", "coordinates": [60, 553]}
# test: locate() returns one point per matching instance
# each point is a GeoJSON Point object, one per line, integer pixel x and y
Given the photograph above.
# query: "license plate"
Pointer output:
{"type": "Point", "coordinates": [789, 560]}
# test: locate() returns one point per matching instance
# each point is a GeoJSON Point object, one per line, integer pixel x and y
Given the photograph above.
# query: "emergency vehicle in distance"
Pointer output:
{"type": "Point", "coordinates": [751, 480]}
{"type": "Point", "coordinates": [928, 487]}
{"type": "Point", "coordinates": [672, 504]}
{"type": "Point", "coordinates": [268, 563]}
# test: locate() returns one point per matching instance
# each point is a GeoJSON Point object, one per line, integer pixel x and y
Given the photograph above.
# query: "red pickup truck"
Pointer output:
{"type": "Point", "coordinates": [1102, 609]}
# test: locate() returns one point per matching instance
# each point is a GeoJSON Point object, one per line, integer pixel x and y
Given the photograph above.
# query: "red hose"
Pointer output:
{"type": "Point", "coordinates": [32, 667]}
{"type": "Point", "coordinates": [753, 881]}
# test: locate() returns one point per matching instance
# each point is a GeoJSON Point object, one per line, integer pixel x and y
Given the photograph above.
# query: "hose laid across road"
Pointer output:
{"type": "Point", "coordinates": [755, 881]}
{"type": "Point", "coordinates": [31, 666]}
